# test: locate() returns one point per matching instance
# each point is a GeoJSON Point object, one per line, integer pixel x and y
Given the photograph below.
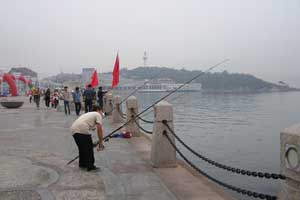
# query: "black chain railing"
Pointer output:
{"type": "Point", "coordinates": [146, 121]}
{"type": "Point", "coordinates": [230, 187]}
{"type": "Point", "coordinates": [149, 132]}
{"type": "Point", "coordinates": [225, 167]}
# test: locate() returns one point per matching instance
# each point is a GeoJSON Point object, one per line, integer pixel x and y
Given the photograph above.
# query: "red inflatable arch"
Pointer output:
{"type": "Point", "coordinates": [13, 88]}
{"type": "Point", "coordinates": [13, 76]}
{"type": "Point", "coordinates": [22, 78]}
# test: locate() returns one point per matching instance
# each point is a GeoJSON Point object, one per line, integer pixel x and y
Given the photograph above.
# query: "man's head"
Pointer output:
{"type": "Point", "coordinates": [66, 88]}
{"type": "Point", "coordinates": [100, 88]}
{"type": "Point", "coordinates": [77, 88]}
{"type": "Point", "coordinates": [97, 108]}
{"type": "Point", "coordinates": [89, 85]}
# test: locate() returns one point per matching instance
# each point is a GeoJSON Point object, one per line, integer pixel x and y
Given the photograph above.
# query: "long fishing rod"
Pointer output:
{"type": "Point", "coordinates": [139, 87]}
{"type": "Point", "coordinates": [170, 100]}
{"type": "Point", "coordinates": [145, 110]}
{"type": "Point", "coordinates": [135, 90]}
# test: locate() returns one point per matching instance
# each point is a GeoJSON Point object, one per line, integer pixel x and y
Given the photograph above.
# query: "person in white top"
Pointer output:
{"type": "Point", "coordinates": [80, 131]}
{"type": "Point", "coordinates": [67, 97]}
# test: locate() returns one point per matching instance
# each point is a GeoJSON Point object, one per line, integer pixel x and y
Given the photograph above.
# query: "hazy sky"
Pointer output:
{"type": "Point", "coordinates": [261, 37]}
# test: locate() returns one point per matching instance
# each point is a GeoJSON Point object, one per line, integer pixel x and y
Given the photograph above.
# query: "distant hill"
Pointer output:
{"type": "Point", "coordinates": [63, 77]}
{"type": "Point", "coordinates": [218, 81]}
{"type": "Point", "coordinates": [24, 71]}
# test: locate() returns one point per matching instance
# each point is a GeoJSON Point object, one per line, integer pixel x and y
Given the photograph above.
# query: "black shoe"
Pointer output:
{"type": "Point", "coordinates": [93, 168]}
{"type": "Point", "coordinates": [82, 167]}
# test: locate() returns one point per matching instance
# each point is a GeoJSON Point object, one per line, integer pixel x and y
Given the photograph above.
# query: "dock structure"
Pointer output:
{"type": "Point", "coordinates": [36, 145]}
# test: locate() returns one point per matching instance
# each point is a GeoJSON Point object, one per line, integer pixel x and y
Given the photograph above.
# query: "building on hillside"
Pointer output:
{"type": "Point", "coordinates": [72, 84]}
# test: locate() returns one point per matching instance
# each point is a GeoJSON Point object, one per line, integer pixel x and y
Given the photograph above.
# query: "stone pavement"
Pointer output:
{"type": "Point", "coordinates": [35, 146]}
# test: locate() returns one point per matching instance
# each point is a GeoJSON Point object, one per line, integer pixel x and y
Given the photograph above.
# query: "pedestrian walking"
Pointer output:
{"type": "Point", "coordinates": [55, 99]}
{"type": "Point", "coordinates": [83, 139]}
{"type": "Point", "coordinates": [89, 95]}
{"type": "Point", "coordinates": [77, 100]}
{"type": "Point", "coordinates": [100, 95]}
{"type": "Point", "coordinates": [37, 97]}
{"type": "Point", "coordinates": [66, 98]}
{"type": "Point", "coordinates": [47, 97]}
{"type": "Point", "coordinates": [30, 96]}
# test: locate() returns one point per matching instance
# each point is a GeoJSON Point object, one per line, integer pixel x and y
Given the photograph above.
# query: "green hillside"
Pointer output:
{"type": "Point", "coordinates": [210, 81]}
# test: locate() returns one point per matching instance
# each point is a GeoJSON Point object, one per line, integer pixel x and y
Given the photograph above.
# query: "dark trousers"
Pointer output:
{"type": "Point", "coordinates": [55, 103]}
{"type": "Point", "coordinates": [67, 106]}
{"type": "Point", "coordinates": [85, 147]}
{"type": "Point", "coordinates": [77, 107]}
{"type": "Point", "coordinates": [47, 101]}
{"type": "Point", "coordinates": [37, 100]}
{"type": "Point", "coordinates": [88, 105]}
{"type": "Point", "coordinates": [100, 102]}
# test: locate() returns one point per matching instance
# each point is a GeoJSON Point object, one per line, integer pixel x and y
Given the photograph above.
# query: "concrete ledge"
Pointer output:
{"type": "Point", "coordinates": [183, 181]}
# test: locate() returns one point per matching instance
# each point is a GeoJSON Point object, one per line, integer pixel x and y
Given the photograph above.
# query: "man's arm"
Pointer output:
{"type": "Point", "coordinates": [100, 136]}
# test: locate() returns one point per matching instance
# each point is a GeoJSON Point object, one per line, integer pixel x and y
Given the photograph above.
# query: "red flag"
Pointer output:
{"type": "Point", "coordinates": [116, 73]}
{"type": "Point", "coordinates": [95, 81]}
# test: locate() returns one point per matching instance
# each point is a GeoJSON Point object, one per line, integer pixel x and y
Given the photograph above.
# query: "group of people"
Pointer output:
{"type": "Point", "coordinates": [36, 94]}
{"type": "Point", "coordinates": [89, 96]}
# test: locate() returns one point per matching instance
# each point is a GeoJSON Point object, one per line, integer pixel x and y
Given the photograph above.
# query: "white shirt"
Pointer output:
{"type": "Point", "coordinates": [86, 122]}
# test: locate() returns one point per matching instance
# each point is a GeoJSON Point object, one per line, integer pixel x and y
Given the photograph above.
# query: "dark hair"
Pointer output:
{"type": "Point", "coordinates": [89, 85]}
{"type": "Point", "coordinates": [100, 88]}
{"type": "Point", "coordinates": [77, 88]}
{"type": "Point", "coordinates": [96, 108]}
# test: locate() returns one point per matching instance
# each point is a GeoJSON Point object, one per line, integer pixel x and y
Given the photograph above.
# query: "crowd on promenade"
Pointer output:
{"type": "Point", "coordinates": [79, 97]}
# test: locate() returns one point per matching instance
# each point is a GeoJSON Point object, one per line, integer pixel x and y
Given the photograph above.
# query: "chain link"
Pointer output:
{"type": "Point", "coordinates": [146, 121]}
{"type": "Point", "coordinates": [233, 188]}
{"type": "Point", "coordinates": [149, 132]}
{"type": "Point", "coordinates": [225, 167]}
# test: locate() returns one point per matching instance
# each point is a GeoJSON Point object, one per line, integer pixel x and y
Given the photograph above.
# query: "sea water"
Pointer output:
{"type": "Point", "coordinates": [239, 130]}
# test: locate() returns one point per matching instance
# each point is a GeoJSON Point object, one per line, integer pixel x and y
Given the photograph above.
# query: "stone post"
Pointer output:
{"type": "Point", "coordinates": [117, 114]}
{"type": "Point", "coordinates": [290, 163]}
{"type": "Point", "coordinates": [108, 104]}
{"type": "Point", "coordinates": [162, 152]}
{"type": "Point", "coordinates": [132, 110]}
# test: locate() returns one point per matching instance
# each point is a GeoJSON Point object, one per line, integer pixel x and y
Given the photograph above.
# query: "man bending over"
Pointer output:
{"type": "Point", "coordinates": [80, 131]}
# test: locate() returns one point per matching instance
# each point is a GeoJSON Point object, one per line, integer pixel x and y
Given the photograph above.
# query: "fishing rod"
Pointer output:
{"type": "Point", "coordinates": [162, 98]}
{"type": "Point", "coordinates": [134, 91]}
{"type": "Point", "coordinates": [171, 100]}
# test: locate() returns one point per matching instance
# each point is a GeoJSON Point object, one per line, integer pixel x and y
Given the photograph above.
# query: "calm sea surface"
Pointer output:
{"type": "Point", "coordinates": [237, 130]}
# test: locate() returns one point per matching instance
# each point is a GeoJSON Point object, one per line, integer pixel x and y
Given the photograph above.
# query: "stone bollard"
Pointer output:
{"type": "Point", "coordinates": [290, 163]}
{"type": "Point", "coordinates": [108, 104]}
{"type": "Point", "coordinates": [162, 152]}
{"type": "Point", "coordinates": [117, 114]}
{"type": "Point", "coordinates": [132, 110]}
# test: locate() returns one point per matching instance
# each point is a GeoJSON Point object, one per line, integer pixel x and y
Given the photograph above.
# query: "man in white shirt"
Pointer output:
{"type": "Point", "coordinates": [83, 138]}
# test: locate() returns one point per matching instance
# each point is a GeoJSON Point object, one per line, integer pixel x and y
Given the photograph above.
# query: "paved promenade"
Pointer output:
{"type": "Point", "coordinates": [35, 146]}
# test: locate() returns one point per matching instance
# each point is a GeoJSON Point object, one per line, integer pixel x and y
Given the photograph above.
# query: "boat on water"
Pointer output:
{"type": "Point", "coordinates": [167, 85]}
